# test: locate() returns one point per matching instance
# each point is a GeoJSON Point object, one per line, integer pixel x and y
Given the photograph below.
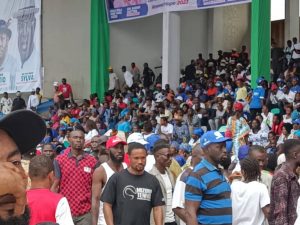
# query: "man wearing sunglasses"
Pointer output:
{"type": "Point", "coordinates": [163, 160]}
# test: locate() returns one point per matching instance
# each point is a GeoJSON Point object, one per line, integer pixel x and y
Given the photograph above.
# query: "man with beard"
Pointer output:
{"type": "Point", "coordinates": [17, 137]}
{"type": "Point", "coordinates": [131, 194]}
{"type": "Point", "coordinates": [73, 172]}
{"type": "Point", "coordinates": [45, 205]}
{"type": "Point", "coordinates": [207, 193]}
{"type": "Point", "coordinates": [8, 64]}
{"type": "Point", "coordinates": [115, 146]}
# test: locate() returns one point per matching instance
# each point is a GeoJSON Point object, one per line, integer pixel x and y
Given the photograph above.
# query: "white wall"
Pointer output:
{"type": "Point", "coordinates": [236, 26]}
{"type": "Point", "coordinates": [193, 35]}
{"type": "Point", "coordinates": [66, 44]}
{"type": "Point", "coordinates": [136, 41]}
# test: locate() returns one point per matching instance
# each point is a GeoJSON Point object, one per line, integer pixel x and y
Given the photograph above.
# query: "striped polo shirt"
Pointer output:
{"type": "Point", "coordinates": [207, 184]}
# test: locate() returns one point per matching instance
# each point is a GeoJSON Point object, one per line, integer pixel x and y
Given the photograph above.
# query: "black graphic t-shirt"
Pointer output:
{"type": "Point", "coordinates": [132, 197]}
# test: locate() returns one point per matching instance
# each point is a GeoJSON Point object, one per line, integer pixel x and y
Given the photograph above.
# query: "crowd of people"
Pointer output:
{"type": "Point", "coordinates": [213, 151]}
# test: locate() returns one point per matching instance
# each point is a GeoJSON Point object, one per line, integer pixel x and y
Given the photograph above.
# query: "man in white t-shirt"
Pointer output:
{"type": "Point", "coordinates": [33, 101]}
{"type": "Point", "coordinates": [296, 51]}
{"type": "Point", "coordinates": [250, 199]}
{"type": "Point", "coordinates": [179, 189]}
{"type": "Point", "coordinates": [113, 78]}
{"type": "Point", "coordinates": [128, 77]}
{"type": "Point", "coordinates": [165, 127]}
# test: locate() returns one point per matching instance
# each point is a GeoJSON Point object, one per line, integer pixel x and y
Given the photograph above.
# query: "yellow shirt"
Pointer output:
{"type": "Point", "coordinates": [241, 93]}
{"type": "Point", "coordinates": [66, 119]}
{"type": "Point", "coordinates": [175, 168]}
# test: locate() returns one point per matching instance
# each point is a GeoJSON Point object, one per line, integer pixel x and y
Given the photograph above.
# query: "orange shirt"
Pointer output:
{"type": "Point", "coordinates": [212, 91]}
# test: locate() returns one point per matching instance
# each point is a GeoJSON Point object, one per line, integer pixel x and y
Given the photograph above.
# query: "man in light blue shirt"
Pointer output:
{"type": "Point", "coordinates": [258, 96]}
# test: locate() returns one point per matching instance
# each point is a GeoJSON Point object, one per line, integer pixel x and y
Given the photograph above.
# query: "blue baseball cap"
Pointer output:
{"type": "Point", "coordinates": [124, 112]}
{"type": "Point", "coordinates": [212, 137]}
{"type": "Point", "coordinates": [259, 80]}
{"type": "Point", "coordinates": [152, 139]}
{"type": "Point", "coordinates": [280, 80]}
{"type": "Point", "coordinates": [185, 147]}
{"type": "Point", "coordinates": [198, 131]}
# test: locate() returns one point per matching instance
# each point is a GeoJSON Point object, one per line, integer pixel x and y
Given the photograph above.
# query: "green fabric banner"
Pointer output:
{"type": "Point", "coordinates": [260, 40]}
{"type": "Point", "coordinates": [99, 49]}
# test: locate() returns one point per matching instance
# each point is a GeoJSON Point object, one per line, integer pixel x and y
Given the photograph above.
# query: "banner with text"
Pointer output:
{"type": "Point", "coordinates": [20, 45]}
{"type": "Point", "coordinates": [120, 10]}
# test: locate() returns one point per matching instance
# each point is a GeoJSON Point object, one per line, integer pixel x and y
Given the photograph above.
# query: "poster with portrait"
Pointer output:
{"type": "Point", "coordinates": [120, 10]}
{"type": "Point", "coordinates": [20, 45]}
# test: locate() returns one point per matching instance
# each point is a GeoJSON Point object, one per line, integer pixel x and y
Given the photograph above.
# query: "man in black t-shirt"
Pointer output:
{"type": "Point", "coordinates": [130, 195]}
{"type": "Point", "coordinates": [148, 76]}
{"type": "Point", "coordinates": [18, 102]}
{"type": "Point", "coordinates": [190, 71]}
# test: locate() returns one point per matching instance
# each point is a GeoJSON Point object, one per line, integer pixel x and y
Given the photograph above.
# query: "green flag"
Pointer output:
{"type": "Point", "coordinates": [99, 48]}
{"type": "Point", "coordinates": [260, 40]}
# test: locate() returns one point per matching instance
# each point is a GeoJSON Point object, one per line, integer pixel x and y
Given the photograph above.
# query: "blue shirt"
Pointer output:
{"type": "Point", "coordinates": [295, 89]}
{"type": "Point", "coordinates": [183, 95]}
{"type": "Point", "coordinates": [124, 126]}
{"type": "Point", "coordinates": [257, 96]}
{"type": "Point", "coordinates": [207, 185]}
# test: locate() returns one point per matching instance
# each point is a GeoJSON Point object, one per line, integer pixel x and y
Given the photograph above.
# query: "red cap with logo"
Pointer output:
{"type": "Point", "coordinates": [113, 141]}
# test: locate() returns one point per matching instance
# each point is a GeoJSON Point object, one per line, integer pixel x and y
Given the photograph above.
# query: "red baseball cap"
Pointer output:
{"type": "Point", "coordinates": [113, 141]}
{"type": "Point", "coordinates": [238, 106]}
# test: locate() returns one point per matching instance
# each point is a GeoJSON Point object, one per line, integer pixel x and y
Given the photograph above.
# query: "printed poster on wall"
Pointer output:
{"type": "Point", "coordinates": [120, 10]}
{"type": "Point", "coordinates": [20, 45]}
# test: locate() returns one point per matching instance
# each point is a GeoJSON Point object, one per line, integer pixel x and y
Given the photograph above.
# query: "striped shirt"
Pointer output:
{"type": "Point", "coordinates": [207, 185]}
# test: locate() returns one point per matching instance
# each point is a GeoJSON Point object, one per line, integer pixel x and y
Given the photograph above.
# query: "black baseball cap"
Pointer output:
{"type": "Point", "coordinates": [25, 127]}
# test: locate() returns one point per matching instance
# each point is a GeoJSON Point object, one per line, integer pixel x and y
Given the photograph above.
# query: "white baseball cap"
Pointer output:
{"type": "Point", "coordinates": [136, 137]}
